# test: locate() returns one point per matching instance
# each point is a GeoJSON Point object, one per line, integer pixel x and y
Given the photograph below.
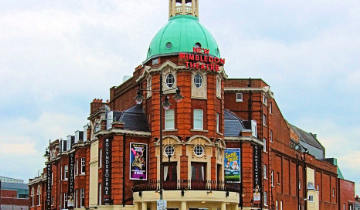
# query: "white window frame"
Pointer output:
{"type": "Point", "coordinates": [83, 166]}
{"type": "Point", "coordinates": [166, 81]}
{"type": "Point", "coordinates": [33, 196]}
{"type": "Point", "coordinates": [76, 170]}
{"type": "Point", "coordinates": [271, 136]}
{"type": "Point", "coordinates": [265, 171]}
{"type": "Point", "coordinates": [272, 178]}
{"type": "Point", "coordinates": [61, 173]}
{"type": "Point", "coordinates": [270, 108]}
{"type": "Point", "coordinates": [38, 195]}
{"type": "Point", "coordinates": [265, 100]}
{"type": "Point", "coordinates": [265, 145]}
{"type": "Point", "coordinates": [281, 205]}
{"type": "Point", "coordinates": [264, 120]}
{"type": "Point", "coordinates": [218, 87]}
{"type": "Point", "coordinates": [170, 119]}
{"type": "Point", "coordinates": [100, 158]}
{"type": "Point", "coordinates": [199, 81]}
{"type": "Point", "coordinates": [148, 87]}
{"type": "Point", "coordinates": [311, 198]}
{"type": "Point", "coordinates": [66, 172]}
{"type": "Point", "coordinates": [198, 119]}
{"type": "Point", "coordinates": [265, 198]}
{"type": "Point", "coordinates": [239, 99]}
{"type": "Point", "coordinates": [217, 122]}
{"type": "Point", "coordinates": [82, 197]}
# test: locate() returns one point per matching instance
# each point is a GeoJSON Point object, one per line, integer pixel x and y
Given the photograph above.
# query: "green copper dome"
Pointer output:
{"type": "Point", "coordinates": [181, 34]}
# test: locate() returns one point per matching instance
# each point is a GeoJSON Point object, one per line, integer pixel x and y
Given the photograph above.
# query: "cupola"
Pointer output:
{"type": "Point", "coordinates": [183, 7]}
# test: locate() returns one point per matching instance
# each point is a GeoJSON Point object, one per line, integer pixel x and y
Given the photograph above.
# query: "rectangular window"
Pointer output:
{"type": "Point", "coordinates": [264, 120]}
{"type": "Point", "coordinates": [76, 199]}
{"type": "Point", "coordinates": [76, 167]}
{"type": "Point", "coordinates": [198, 119]}
{"type": "Point", "coordinates": [265, 172]}
{"type": "Point", "coordinates": [100, 195]}
{"type": "Point", "coordinates": [270, 108]}
{"type": "Point", "coordinates": [265, 100]}
{"type": "Point", "coordinates": [169, 119]}
{"type": "Point", "coordinates": [265, 198]}
{"type": "Point", "coordinates": [66, 172]}
{"type": "Point", "coordinates": [271, 136]}
{"type": "Point", "coordinates": [82, 166]}
{"type": "Point", "coordinates": [311, 198]}
{"type": "Point", "coordinates": [272, 178]}
{"type": "Point", "coordinates": [254, 128]}
{"type": "Point", "coordinates": [264, 147]}
{"type": "Point", "coordinates": [61, 173]}
{"type": "Point", "coordinates": [281, 205]}
{"type": "Point", "coordinates": [65, 200]}
{"type": "Point", "coordinates": [82, 198]}
{"type": "Point", "coordinates": [100, 158]}
{"type": "Point", "coordinates": [217, 122]}
{"type": "Point", "coordinates": [239, 97]}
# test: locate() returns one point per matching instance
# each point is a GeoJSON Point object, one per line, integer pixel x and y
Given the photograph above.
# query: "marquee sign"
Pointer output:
{"type": "Point", "coordinates": [107, 170]}
{"type": "Point", "coordinates": [48, 185]}
{"type": "Point", "coordinates": [200, 59]}
{"type": "Point", "coordinates": [138, 161]}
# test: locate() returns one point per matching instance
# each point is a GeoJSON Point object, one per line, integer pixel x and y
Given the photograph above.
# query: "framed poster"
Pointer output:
{"type": "Point", "coordinates": [138, 161]}
{"type": "Point", "coordinates": [232, 165]}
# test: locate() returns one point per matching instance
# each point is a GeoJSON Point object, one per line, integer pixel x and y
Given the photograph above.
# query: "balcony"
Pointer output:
{"type": "Point", "coordinates": [187, 191]}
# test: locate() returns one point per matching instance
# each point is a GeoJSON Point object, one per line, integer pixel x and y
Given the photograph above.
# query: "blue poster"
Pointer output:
{"type": "Point", "coordinates": [232, 165]}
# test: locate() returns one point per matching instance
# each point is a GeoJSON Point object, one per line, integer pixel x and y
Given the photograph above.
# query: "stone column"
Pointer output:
{"type": "Point", "coordinates": [223, 206]}
{"type": "Point", "coordinates": [137, 206]}
{"type": "Point", "coordinates": [143, 206]}
{"type": "Point", "coordinates": [183, 205]}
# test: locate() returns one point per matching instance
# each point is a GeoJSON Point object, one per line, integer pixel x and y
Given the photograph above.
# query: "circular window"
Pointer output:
{"type": "Point", "coordinates": [168, 45]}
{"type": "Point", "coordinates": [197, 44]}
{"type": "Point", "coordinates": [169, 150]}
{"type": "Point", "coordinates": [199, 150]}
{"type": "Point", "coordinates": [198, 80]}
{"type": "Point", "coordinates": [170, 80]}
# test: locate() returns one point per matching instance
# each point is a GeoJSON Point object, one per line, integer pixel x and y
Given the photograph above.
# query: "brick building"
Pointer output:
{"type": "Point", "coordinates": [13, 194]}
{"type": "Point", "coordinates": [225, 144]}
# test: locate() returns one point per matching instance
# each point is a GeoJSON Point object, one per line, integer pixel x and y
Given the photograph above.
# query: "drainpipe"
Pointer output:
{"type": "Point", "coordinates": [124, 148]}
{"type": "Point", "coordinates": [297, 182]}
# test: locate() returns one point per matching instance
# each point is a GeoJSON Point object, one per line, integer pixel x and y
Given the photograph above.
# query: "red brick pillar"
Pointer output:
{"type": "Point", "coordinates": [247, 173]}
{"type": "Point", "coordinates": [117, 169]}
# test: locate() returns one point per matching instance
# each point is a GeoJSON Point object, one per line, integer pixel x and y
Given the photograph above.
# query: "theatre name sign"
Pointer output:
{"type": "Point", "coordinates": [201, 59]}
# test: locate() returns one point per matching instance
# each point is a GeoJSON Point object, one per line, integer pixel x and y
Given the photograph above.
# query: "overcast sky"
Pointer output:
{"type": "Point", "coordinates": [56, 56]}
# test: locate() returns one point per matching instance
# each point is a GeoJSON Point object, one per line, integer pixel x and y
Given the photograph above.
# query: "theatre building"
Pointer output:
{"type": "Point", "coordinates": [181, 130]}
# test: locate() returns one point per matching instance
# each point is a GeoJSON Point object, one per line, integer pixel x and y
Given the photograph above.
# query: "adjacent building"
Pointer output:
{"type": "Point", "coordinates": [181, 130]}
{"type": "Point", "coordinates": [13, 194]}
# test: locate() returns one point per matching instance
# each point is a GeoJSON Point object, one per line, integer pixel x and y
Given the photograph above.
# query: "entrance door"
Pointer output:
{"type": "Point", "coordinates": [198, 176]}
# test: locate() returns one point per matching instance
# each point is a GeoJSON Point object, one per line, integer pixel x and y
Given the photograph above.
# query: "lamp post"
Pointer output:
{"type": "Point", "coordinates": [163, 105]}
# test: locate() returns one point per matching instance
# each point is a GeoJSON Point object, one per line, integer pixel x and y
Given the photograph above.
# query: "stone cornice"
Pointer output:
{"type": "Point", "coordinates": [244, 138]}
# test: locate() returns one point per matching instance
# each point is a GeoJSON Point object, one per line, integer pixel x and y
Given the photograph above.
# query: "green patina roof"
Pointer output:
{"type": "Point", "coordinates": [183, 32]}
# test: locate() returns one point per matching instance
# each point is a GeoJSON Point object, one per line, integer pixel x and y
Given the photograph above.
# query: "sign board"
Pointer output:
{"type": "Point", "coordinates": [257, 171]}
{"type": "Point", "coordinates": [232, 163]}
{"type": "Point", "coordinates": [138, 161]}
{"type": "Point", "coordinates": [161, 205]}
{"type": "Point", "coordinates": [200, 59]}
{"type": "Point", "coordinates": [107, 170]}
{"type": "Point", "coordinates": [48, 185]}
{"type": "Point", "coordinates": [71, 173]}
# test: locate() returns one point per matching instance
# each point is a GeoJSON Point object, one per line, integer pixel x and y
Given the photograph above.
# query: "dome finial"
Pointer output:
{"type": "Point", "coordinates": [183, 7]}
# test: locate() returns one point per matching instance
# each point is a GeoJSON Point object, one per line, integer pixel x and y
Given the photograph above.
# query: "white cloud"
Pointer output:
{"type": "Point", "coordinates": [17, 150]}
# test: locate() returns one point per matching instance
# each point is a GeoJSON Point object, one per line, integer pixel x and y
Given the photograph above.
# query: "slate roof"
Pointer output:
{"type": "Point", "coordinates": [233, 125]}
{"type": "Point", "coordinates": [308, 138]}
{"type": "Point", "coordinates": [133, 118]}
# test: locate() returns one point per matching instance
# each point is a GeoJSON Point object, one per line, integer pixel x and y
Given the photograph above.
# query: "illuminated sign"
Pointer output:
{"type": "Point", "coordinates": [48, 185]}
{"type": "Point", "coordinates": [201, 59]}
{"type": "Point", "coordinates": [138, 161]}
{"type": "Point", "coordinates": [232, 162]}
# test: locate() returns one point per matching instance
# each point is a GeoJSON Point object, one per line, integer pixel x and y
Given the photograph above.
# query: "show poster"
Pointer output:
{"type": "Point", "coordinates": [138, 161]}
{"type": "Point", "coordinates": [232, 163]}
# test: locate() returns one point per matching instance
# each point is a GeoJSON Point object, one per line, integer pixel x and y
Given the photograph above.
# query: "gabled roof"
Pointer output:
{"type": "Point", "coordinates": [233, 125]}
{"type": "Point", "coordinates": [308, 138]}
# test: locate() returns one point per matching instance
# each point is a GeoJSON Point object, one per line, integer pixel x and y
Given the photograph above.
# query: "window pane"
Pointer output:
{"type": "Point", "coordinates": [198, 119]}
{"type": "Point", "coordinates": [169, 119]}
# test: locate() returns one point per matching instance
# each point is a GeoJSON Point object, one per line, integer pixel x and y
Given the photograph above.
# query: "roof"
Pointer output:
{"type": "Point", "coordinates": [308, 138]}
{"type": "Point", "coordinates": [14, 186]}
{"type": "Point", "coordinates": [133, 118]}
{"type": "Point", "coordinates": [182, 32]}
{"type": "Point", "coordinates": [233, 125]}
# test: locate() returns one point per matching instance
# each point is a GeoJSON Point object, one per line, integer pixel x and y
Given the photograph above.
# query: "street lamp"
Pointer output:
{"type": "Point", "coordinates": [163, 105]}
